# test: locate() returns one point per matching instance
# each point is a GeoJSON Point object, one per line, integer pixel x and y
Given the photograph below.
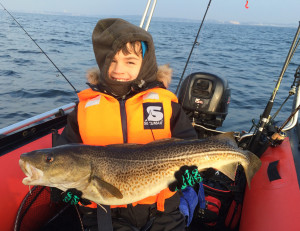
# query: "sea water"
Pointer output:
{"type": "Point", "coordinates": [249, 57]}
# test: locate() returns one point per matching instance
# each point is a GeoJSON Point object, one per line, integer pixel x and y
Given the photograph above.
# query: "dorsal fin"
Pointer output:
{"type": "Point", "coordinates": [227, 137]}
{"type": "Point", "coordinates": [166, 140]}
{"type": "Point", "coordinates": [133, 145]}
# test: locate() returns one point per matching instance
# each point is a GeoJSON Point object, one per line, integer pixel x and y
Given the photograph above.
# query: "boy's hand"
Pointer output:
{"type": "Point", "coordinates": [71, 196]}
{"type": "Point", "coordinates": [186, 176]}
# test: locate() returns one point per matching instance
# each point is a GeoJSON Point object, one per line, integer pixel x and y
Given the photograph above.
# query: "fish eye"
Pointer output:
{"type": "Point", "coordinates": [49, 158]}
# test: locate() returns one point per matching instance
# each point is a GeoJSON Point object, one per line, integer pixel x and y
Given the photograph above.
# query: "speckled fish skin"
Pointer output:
{"type": "Point", "coordinates": [126, 173]}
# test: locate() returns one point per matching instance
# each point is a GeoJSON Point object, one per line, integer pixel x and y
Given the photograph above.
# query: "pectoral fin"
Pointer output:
{"type": "Point", "coordinates": [102, 185]}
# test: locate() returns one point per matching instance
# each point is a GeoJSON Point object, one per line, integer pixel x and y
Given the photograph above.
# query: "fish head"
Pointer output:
{"type": "Point", "coordinates": [55, 167]}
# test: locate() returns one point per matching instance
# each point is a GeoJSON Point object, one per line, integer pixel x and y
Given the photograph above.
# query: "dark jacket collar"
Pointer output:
{"type": "Point", "coordinates": [135, 89]}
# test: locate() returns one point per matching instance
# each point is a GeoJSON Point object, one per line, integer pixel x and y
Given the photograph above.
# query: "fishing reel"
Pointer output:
{"type": "Point", "coordinates": [205, 99]}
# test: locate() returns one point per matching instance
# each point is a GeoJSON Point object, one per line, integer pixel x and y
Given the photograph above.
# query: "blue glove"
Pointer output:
{"type": "Point", "coordinates": [186, 176]}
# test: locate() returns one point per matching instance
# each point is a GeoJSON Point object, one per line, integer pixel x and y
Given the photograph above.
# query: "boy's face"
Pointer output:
{"type": "Point", "coordinates": [126, 67]}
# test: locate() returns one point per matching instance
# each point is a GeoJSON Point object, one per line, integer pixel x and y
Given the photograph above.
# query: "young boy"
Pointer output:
{"type": "Point", "coordinates": [127, 103]}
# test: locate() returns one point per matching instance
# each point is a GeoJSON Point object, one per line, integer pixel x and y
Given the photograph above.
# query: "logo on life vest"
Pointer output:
{"type": "Point", "coordinates": [153, 116]}
{"type": "Point", "coordinates": [94, 101]}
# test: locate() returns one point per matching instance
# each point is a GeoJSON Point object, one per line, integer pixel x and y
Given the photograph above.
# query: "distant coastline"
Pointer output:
{"type": "Point", "coordinates": [232, 22]}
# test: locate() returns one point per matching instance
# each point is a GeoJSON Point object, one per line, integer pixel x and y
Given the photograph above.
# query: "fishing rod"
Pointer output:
{"type": "Point", "coordinates": [278, 137]}
{"type": "Point", "coordinates": [291, 92]}
{"type": "Point", "coordinates": [40, 48]}
{"type": "Point", "coordinates": [265, 116]}
{"type": "Point", "coordinates": [288, 119]}
{"type": "Point", "coordinates": [195, 42]}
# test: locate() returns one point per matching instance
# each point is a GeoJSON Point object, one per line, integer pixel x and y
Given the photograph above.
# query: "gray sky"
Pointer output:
{"type": "Point", "coordinates": [259, 11]}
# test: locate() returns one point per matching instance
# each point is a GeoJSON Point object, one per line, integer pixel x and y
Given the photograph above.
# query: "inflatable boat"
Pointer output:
{"type": "Point", "coordinates": [270, 204]}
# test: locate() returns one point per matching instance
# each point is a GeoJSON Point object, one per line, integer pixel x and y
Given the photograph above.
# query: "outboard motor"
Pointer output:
{"type": "Point", "coordinates": [205, 99]}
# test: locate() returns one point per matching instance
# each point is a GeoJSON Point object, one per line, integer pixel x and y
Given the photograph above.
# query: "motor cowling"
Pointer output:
{"type": "Point", "coordinates": [205, 98]}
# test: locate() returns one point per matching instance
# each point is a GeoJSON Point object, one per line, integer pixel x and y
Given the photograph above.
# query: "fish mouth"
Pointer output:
{"type": "Point", "coordinates": [33, 175]}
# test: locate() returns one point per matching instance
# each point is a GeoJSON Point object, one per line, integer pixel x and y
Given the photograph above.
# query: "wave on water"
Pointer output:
{"type": "Point", "coordinates": [9, 73]}
{"type": "Point", "coordinates": [55, 51]}
{"type": "Point", "coordinates": [39, 93]}
{"type": "Point", "coordinates": [5, 56]}
{"type": "Point", "coordinates": [28, 52]}
{"type": "Point", "coordinates": [63, 42]}
{"type": "Point", "coordinates": [23, 62]}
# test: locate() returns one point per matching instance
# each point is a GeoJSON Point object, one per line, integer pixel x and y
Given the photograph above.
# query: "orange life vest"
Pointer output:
{"type": "Point", "coordinates": [145, 117]}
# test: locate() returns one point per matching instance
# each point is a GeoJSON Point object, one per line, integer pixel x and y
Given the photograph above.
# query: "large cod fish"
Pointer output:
{"type": "Point", "coordinates": [127, 173]}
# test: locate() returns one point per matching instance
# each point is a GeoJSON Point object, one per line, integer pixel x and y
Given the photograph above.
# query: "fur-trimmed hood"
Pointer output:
{"type": "Point", "coordinates": [109, 36]}
{"type": "Point", "coordinates": [164, 75]}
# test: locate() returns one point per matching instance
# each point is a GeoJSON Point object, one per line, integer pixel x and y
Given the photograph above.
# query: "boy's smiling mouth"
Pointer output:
{"type": "Point", "coordinates": [120, 79]}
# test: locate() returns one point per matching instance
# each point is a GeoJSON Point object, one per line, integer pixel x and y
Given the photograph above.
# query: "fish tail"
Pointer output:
{"type": "Point", "coordinates": [252, 167]}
